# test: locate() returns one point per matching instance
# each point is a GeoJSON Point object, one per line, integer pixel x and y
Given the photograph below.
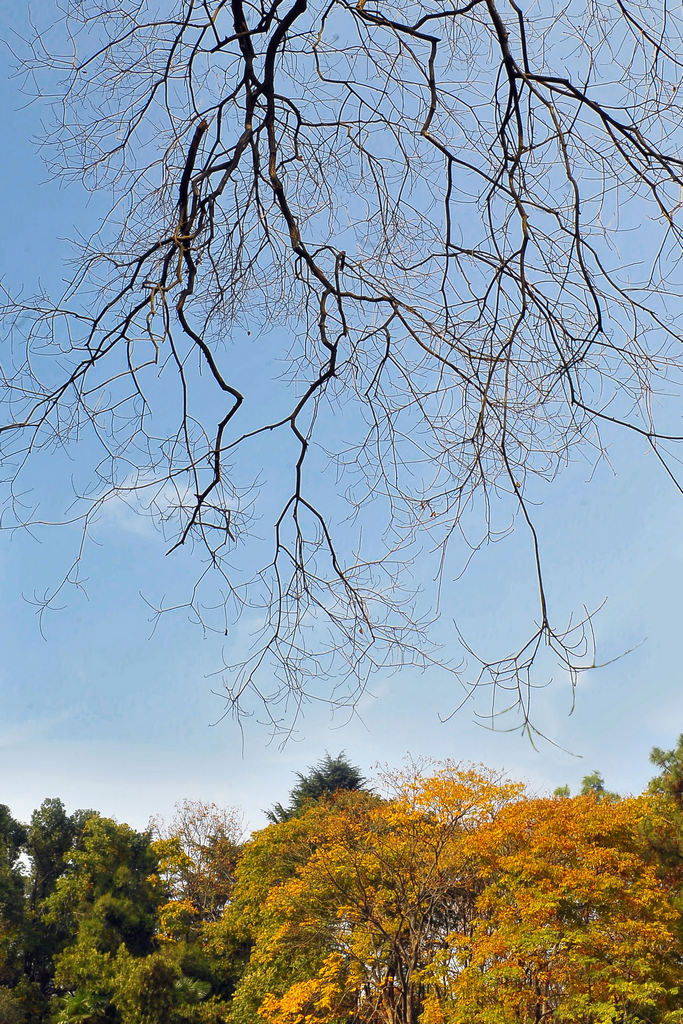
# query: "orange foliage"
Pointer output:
{"type": "Point", "coordinates": [458, 901]}
{"type": "Point", "coordinates": [573, 923]}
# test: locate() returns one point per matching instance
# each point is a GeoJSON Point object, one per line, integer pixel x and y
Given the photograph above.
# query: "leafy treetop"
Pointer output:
{"type": "Point", "coordinates": [328, 776]}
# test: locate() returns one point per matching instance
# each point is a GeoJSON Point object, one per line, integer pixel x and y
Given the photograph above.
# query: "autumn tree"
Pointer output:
{"type": "Point", "coordinates": [572, 923]}
{"type": "Point", "coordinates": [352, 930]}
{"type": "Point", "coordinates": [271, 860]}
{"type": "Point", "coordinates": [201, 866]}
{"type": "Point", "coordinates": [420, 215]}
{"type": "Point", "coordinates": [458, 898]}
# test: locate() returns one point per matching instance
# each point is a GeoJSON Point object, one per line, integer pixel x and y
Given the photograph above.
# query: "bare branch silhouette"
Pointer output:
{"type": "Point", "coordinates": [463, 222]}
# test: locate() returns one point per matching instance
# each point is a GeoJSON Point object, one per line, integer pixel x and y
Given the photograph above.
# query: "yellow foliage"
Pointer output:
{"type": "Point", "coordinates": [460, 901]}
{"type": "Point", "coordinates": [176, 920]}
{"type": "Point", "coordinates": [432, 1012]}
{"type": "Point", "coordinates": [318, 1000]}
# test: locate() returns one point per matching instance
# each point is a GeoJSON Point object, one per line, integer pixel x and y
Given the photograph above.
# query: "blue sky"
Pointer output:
{"type": "Point", "coordinates": [104, 712]}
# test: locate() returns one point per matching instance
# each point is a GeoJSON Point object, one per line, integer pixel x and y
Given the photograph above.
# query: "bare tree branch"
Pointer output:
{"type": "Point", "coordinates": [436, 205]}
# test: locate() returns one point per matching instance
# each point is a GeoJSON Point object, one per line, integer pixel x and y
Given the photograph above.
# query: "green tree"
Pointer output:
{"type": "Point", "coordinates": [123, 962]}
{"type": "Point", "coordinates": [12, 910]}
{"type": "Point", "coordinates": [664, 826]}
{"type": "Point", "coordinates": [670, 781]}
{"type": "Point", "coordinates": [12, 839]}
{"type": "Point", "coordinates": [51, 838]}
{"type": "Point", "coordinates": [156, 990]}
{"type": "Point", "coordinates": [107, 900]}
{"type": "Point", "coordinates": [12, 1007]}
{"type": "Point", "coordinates": [146, 989]}
{"type": "Point", "coordinates": [328, 776]}
{"type": "Point", "coordinates": [594, 784]}
{"type": "Point", "coordinates": [34, 940]}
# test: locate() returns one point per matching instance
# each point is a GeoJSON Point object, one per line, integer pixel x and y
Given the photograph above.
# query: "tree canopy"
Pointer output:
{"type": "Point", "coordinates": [670, 781]}
{"type": "Point", "coordinates": [446, 895]}
{"type": "Point", "coordinates": [459, 898]}
{"type": "Point", "coordinates": [368, 273]}
{"type": "Point", "coordinates": [330, 775]}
